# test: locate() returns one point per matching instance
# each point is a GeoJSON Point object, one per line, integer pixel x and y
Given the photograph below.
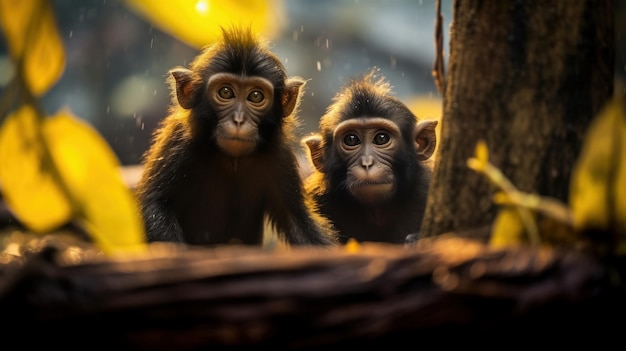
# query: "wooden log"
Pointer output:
{"type": "Point", "coordinates": [444, 290]}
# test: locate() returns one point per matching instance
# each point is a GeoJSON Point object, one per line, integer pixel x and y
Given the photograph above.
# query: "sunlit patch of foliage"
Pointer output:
{"type": "Point", "coordinates": [198, 22]}
{"type": "Point", "coordinates": [56, 169]}
{"type": "Point", "coordinates": [597, 200]}
{"type": "Point", "coordinates": [598, 187]}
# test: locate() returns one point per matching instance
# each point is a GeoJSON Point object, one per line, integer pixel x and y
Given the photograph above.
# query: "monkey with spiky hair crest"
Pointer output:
{"type": "Point", "coordinates": [370, 174]}
{"type": "Point", "coordinates": [222, 160]}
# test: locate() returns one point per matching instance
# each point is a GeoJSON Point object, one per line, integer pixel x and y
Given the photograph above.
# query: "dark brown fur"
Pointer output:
{"type": "Point", "coordinates": [192, 191]}
{"type": "Point", "coordinates": [400, 213]}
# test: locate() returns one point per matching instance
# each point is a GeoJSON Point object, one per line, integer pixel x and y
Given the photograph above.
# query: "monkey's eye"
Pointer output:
{"type": "Point", "coordinates": [256, 96]}
{"type": "Point", "coordinates": [226, 92]}
{"type": "Point", "coordinates": [382, 138]}
{"type": "Point", "coordinates": [351, 140]}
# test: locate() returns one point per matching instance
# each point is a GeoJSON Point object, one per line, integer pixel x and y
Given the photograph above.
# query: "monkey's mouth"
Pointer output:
{"type": "Point", "coordinates": [237, 146]}
{"type": "Point", "coordinates": [372, 182]}
{"type": "Point", "coordinates": [372, 192]}
{"type": "Point", "coordinates": [373, 185]}
{"type": "Point", "coordinates": [239, 139]}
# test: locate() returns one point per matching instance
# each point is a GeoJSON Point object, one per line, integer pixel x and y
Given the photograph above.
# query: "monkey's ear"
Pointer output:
{"type": "Point", "coordinates": [425, 139]}
{"type": "Point", "coordinates": [184, 87]}
{"type": "Point", "coordinates": [291, 96]}
{"type": "Point", "coordinates": [316, 150]}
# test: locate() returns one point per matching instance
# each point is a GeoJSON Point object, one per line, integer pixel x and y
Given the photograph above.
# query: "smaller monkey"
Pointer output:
{"type": "Point", "coordinates": [371, 173]}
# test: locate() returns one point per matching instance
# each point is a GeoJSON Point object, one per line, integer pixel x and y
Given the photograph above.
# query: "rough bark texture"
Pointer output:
{"type": "Point", "coordinates": [442, 291]}
{"type": "Point", "coordinates": [527, 77]}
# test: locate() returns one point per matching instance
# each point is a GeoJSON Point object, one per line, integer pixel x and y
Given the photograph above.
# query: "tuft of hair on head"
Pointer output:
{"type": "Point", "coordinates": [372, 82]}
{"type": "Point", "coordinates": [241, 36]}
{"type": "Point", "coordinates": [235, 39]}
{"type": "Point", "coordinates": [358, 88]}
{"type": "Point", "coordinates": [369, 83]}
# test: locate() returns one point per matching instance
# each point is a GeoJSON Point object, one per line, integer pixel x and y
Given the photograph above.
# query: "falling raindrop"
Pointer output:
{"type": "Point", "coordinates": [394, 62]}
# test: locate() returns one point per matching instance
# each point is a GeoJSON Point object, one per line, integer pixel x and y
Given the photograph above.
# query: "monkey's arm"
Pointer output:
{"type": "Point", "coordinates": [295, 217]}
{"type": "Point", "coordinates": [159, 182]}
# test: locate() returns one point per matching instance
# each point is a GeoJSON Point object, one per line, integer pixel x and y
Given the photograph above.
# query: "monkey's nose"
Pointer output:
{"type": "Point", "coordinates": [367, 161]}
{"type": "Point", "coordinates": [238, 118]}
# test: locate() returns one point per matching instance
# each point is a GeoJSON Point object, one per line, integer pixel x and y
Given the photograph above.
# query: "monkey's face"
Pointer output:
{"type": "Point", "coordinates": [240, 104]}
{"type": "Point", "coordinates": [368, 147]}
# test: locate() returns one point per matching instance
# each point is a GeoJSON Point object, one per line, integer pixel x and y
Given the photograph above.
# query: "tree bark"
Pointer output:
{"type": "Point", "coordinates": [527, 77]}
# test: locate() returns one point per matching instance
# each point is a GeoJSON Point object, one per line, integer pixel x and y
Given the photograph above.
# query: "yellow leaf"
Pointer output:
{"type": "Point", "coordinates": [482, 152]}
{"type": "Point", "coordinates": [502, 198]}
{"type": "Point", "coordinates": [352, 246]}
{"type": "Point", "coordinates": [198, 22]}
{"type": "Point", "coordinates": [92, 172]}
{"type": "Point", "coordinates": [598, 186]}
{"type": "Point", "coordinates": [619, 188]}
{"type": "Point", "coordinates": [480, 161]}
{"type": "Point", "coordinates": [508, 228]}
{"type": "Point", "coordinates": [32, 36]}
{"type": "Point", "coordinates": [28, 185]}
{"type": "Point", "coordinates": [476, 165]}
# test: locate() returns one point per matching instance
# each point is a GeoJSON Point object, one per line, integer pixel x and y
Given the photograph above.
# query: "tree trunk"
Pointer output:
{"type": "Point", "coordinates": [527, 77]}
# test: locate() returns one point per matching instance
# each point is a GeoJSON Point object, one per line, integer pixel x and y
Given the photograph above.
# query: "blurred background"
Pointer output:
{"type": "Point", "coordinates": [117, 59]}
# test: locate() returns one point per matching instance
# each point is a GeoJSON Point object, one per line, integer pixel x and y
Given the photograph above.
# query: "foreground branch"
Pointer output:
{"type": "Point", "coordinates": [244, 297]}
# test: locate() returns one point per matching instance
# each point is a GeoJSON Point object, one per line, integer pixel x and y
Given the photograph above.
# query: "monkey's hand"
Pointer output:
{"type": "Point", "coordinates": [411, 239]}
